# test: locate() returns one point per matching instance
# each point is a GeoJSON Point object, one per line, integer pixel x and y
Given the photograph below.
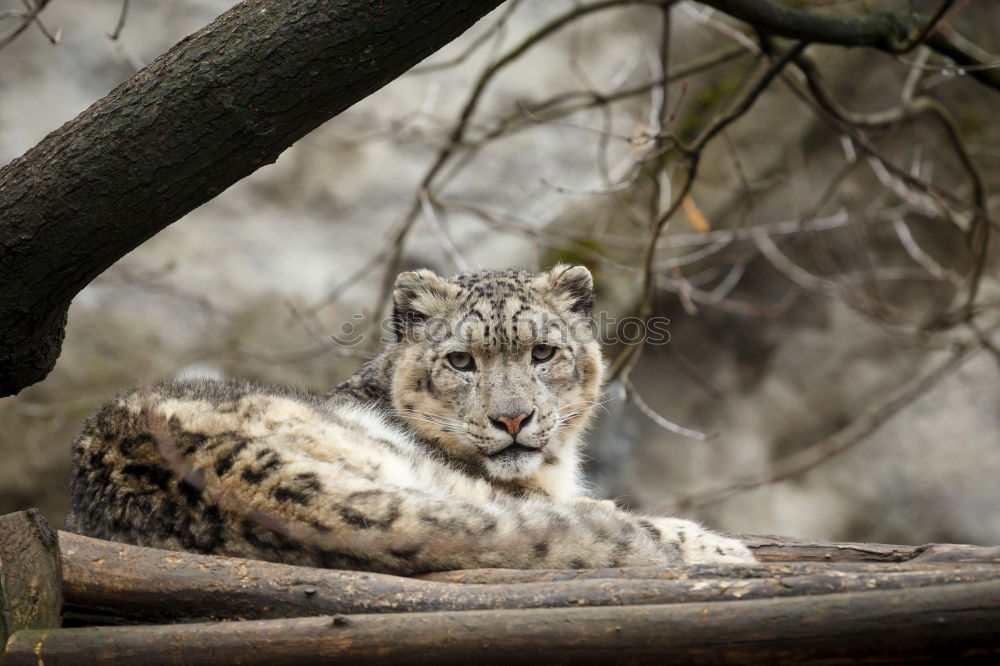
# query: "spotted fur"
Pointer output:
{"type": "Point", "coordinates": [422, 461]}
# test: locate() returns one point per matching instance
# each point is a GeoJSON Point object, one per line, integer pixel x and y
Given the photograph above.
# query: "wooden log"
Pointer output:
{"type": "Point", "coordinates": [701, 571]}
{"type": "Point", "coordinates": [30, 575]}
{"type": "Point", "coordinates": [787, 549]}
{"type": "Point", "coordinates": [131, 582]}
{"type": "Point", "coordinates": [940, 622]}
{"type": "Point", "coordinates": [768, 549]}
{"type": "Point", "coordinates": [957, 554]}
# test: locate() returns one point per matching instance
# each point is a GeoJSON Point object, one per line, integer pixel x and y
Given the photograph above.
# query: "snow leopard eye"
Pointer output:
{"type": "Point", "coordinates": [541, 353]}
{"type": "Point", "coordinates": [461, 361]}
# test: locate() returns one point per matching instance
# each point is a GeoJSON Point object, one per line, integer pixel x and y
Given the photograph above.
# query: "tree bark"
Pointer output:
{"type": "Point", "coordinates": [30, 575]}
{"type": "Point", "coordinates": [218, 106]}
{"type": "Point", "coordinates": [938, 622]}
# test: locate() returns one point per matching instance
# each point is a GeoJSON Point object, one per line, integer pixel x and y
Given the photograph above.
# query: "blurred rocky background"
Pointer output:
{"type": "Point", "coordinates": [812, 292]}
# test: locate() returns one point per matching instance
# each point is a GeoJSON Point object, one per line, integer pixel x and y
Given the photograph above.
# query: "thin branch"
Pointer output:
{"type": "Point", "coordinates": [977, 232]}
{"type": "Point", "coordinates": [27, 18]}
{"type": "Point", "coordinates": [447, 242]}
{"type": "Point", "coordinates": [932, 24]}
{"type": "Point", "coordinates": [457, 134]}
{"type": "Point", "coordinates": [854, 432]}
{"type": "Point", "coordinates": [631, 394]}
{"type": "Point", "coordinates": [54, 38]}
{"type": "Point", "coordinates": [567, 103]}
{"type": "Point", "coordinates": [627, 360]}
{"type": "Point", "coordinates": [919, 255]}
{"type": "Point", "coordinates": [122, 15]}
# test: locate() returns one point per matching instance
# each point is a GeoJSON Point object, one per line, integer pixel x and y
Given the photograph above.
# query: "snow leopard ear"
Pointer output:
{"type": "Point", "coordinates": [574, 286]}
{"type": "Point", "coordinates": [417, 296]}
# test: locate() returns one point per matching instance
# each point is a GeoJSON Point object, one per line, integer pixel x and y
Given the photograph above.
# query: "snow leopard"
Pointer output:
{"type": "Point", "coordinates": [458, 447]}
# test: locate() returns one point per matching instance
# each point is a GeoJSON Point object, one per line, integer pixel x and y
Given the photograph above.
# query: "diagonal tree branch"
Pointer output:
{"type": "Point", "coordinates": [218, 106]}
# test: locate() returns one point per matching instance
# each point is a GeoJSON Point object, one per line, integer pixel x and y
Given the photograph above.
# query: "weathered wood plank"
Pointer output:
{"type": "Point", "coordinates": [30, 575]}
{"type": "Point", "coordinates": [940, 622]}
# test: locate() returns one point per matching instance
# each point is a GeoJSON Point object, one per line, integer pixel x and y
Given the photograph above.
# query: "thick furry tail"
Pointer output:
{"type": "Point", "coordinates": [234, 469]}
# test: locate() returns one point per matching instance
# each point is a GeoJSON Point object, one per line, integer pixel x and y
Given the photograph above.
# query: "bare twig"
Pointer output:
{"type": "Point", "coordinates": [26, 18]}
{"type": "Point", "coordinates": [623, 365]}
{"type": "Point", "coordinates": [439, 229]}
{"type": "Point", "coordinates": [854, 432]}
{"type": "Point", "coordinates": [122, 15]}
{"type": "Point", "coordinates": [630, 394]}
{"type": "Point", "coordinates": [398, 236]}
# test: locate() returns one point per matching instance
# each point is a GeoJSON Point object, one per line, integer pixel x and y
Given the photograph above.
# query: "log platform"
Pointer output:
{"type": "Point", "coordinates": [69, 599]}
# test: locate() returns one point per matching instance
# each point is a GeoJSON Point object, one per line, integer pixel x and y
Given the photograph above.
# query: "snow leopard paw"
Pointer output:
{"type": "Point", "coordinates": [698, 545]}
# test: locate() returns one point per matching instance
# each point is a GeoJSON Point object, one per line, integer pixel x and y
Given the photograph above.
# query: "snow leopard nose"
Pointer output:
{"type": "Point", "coordinates": [512, 423]}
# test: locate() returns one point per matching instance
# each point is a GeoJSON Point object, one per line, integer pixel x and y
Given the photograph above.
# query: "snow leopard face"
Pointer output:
{"type": "Point", "coordinates": [501, 369]}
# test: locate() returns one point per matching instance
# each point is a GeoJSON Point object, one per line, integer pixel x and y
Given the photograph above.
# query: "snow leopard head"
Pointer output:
{"type": "Point", "coordinates": [498, 368]}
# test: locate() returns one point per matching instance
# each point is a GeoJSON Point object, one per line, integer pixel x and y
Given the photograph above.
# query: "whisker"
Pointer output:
{"type": "Point", "coordinates": [584, 403]}
{"type": "Point", "coordinates": [428, 417]}
{"type": "Point", "coordinates": [419, 415]}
